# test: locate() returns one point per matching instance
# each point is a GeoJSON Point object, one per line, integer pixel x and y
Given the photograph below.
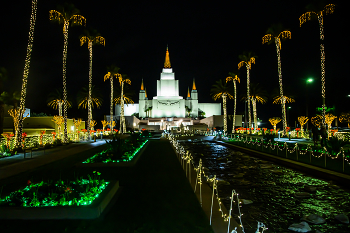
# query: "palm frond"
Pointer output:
{"type": "Point", "coordinates": [233, 76]}
{"type": "Point", "coordinates": [56, 16]}
{"type": "Point", "coordinates": [77, 20]}
{"type": "Point", "coordinates": [240, 64]}
{"type": "Point", "coordinates": [267, 38]}
{"type": "Point", "coordinates": [123, 78]}
{"type": "Point", "coordinates": [216, 96]}
{"type": "Point", "coordinates": [277, 99]}
{"type": "Point", "coordinates": [127, 100]}
{"type": "Point", "coordinates": [251, 61]}
{"type": "Point", "coordinates": [107, 76]}
{"type": "Point", "coordinates": [261, 99]}
{"type": "Point", "coordinates": [83, 40]}
{"type": "Point", "coordinates": [221, 88]}
{"type": "Point", "coordinates": [100, 40]}
{"type": "Point", "coordinates": [285, 35]}
{"type": "Point", "coordinates": [306, 17]}
{"type": "Point", "coordinates": [329, 9]}
{"type": "Point", "coordinates": [83, 96]}
{"type": "Point", "coordinates": [55, 103]}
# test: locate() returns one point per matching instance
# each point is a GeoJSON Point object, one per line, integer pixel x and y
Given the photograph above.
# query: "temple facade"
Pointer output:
{"type": "Point", "coordinates": [168, 104]}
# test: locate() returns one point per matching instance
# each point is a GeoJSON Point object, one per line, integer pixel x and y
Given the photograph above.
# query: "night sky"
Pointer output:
{"type": "Point", "coordinates": [204, 42]}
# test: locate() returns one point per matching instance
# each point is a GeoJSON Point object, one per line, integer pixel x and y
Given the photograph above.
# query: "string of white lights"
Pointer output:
{"type": "Point", "coordinates": [296, 147]}
{"type": "Point", "coordinates": [26, 73]}
{"type": "Point", "coordinates": [186, 156]}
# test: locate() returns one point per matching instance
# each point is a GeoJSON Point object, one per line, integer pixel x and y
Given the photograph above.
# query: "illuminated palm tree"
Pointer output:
{"type": "Point", "coordinates": [94, 94]}
{"type": "Point", "coordinates": [67, 15]}
{"type": "Point", "coordinates": [302, 121]}
{"type": "Point", "coordinates": [128, 94]}
{"type": "Point", "coordinates": [122, 79]}
{"type": "Point", "coordinates": [55, 100]}
{"type": "Point", "coordinates": [91, 37]}
{"type": "Point", "coordinates": [222, 90]}
{"type": "Point", "coordinates": [287, 99]}
{"type": "Point", "coordinates": [313, 13]}
{"type": "Point", "coordinates": [232, 76]}
{"type": "Point", "coordinates": [247, 59]}
{"type": "Point", "coordinates": [274, 121]}
{"type": "Point", "coordinates": [345, 118]}
{"type": "Point", "coordinates": [112, 71]}
{"type": "Point", "coordinates": [276, 33]}
{"type": "Point", "coordinates": [26, 73]}
{"type": "Point", "coordinates": [12, 98]}
{"type": "Point", "coordinates": [257, 94]}
{"type": "Point", "coordinates": [288, 96]}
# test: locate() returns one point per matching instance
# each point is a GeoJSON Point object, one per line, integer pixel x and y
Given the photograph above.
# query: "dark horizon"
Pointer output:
{"type": "Point", "coordinates": [204, 43]}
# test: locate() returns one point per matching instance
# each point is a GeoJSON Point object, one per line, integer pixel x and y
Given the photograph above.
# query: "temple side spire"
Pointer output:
{"type": "Point", "coordinates": [167, 59]}
{"type": "Point", "coordinates": [188, 92]}
{"type": "Point", "coordinates": [145, 93]}
{"type": "Point", "coordinates": [194, 86]}
{"type": "Point", "coordinates": [142, 87]}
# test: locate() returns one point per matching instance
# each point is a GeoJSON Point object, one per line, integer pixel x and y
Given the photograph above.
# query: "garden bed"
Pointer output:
{"type": "Point", "coordinates": [103, 160]}
{"type": "Point", "coordinates": [80, 199]}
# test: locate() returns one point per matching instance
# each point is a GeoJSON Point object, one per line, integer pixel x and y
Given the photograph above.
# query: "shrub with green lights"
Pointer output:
{"type": "Point", "coordinates": [5, 151]}
{"type": "Point", "coordinates": [119, 150]}
{"type": "Point", "coordinates": [57, 193]}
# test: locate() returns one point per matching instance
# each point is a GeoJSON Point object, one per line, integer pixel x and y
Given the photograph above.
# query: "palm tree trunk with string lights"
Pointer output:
{"type": "Point", "coordinates": [69, 15]}
{"type": "Point", "coordinates": [90, 87]}
{"type": "Point", "coordinates": [320, 13]}
{"type": "Point", "coordinates": [60, 108]}
{"type": "Point", "coordinates": [65, 104]}
{"type": "Point", "coordinates": [18, 135]}
{"type": "Point", "coordinates": [234, 107]}
{"type": "Point", "coordinates": [323, 67]}
{"type": "Point", "coordinates": [248, 98]}
{"type": "Point", "coordinates": [255, 114]}
{"type": "Point", "coordinates": [283, 102]}
{"type": "Point", "coordinates": [122, 125]}
{"type": "Point", "coordinates": [111, 107]}
{"type": "Point", "coordinates": [224, 97]}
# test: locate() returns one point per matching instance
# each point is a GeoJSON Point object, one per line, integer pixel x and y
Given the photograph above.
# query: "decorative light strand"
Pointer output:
{"type": "Point", "coordinates": [26, 73]}
{"type": "Point", "coordinates": [122, 120]}
{"type": "Point", "coordinates": [58, 120]}
{"type": "Point", "coordinates": [91, 40]}
{"type": "Point", "coordinates": [224, 97]}
{"type": "Point", "coordinates": [248, 61]}
{"type": "Point", "coordinates": [65, 19]}
{"type": "Point", "coordinates": [296, 147]}
{"type": "Point", "coordinates": [274, 121]}
{"type": "Point", "coordinates": [182, 155]}
{"type": "Point", "coordinates": [283, 102]}
{"type": "Point", "coordinates": [236, 78]}
{"type": "Point", "coordinates": [302, 121]}
{"type": "Point", "coordinates": [267, 38]}
{"type": "Point", "coordinates": [328, 9]}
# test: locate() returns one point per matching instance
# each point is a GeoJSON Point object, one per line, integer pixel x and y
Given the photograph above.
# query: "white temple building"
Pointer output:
{"type": "Point", "coordinates": [168, 109]}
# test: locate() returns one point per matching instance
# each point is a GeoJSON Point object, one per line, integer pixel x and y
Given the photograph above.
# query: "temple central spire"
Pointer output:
{"type": "Point", "coordinates": [167, 59]}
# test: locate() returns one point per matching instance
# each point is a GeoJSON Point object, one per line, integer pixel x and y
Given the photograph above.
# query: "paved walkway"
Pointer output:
{"type": "Point", "coordinates": [156, 196]}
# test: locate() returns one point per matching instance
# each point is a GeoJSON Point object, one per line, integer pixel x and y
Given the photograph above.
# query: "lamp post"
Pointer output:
{"type": "Point", "coordinates": [309, 80]}
{"type": "Point", "coordinates": [288, 120]}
